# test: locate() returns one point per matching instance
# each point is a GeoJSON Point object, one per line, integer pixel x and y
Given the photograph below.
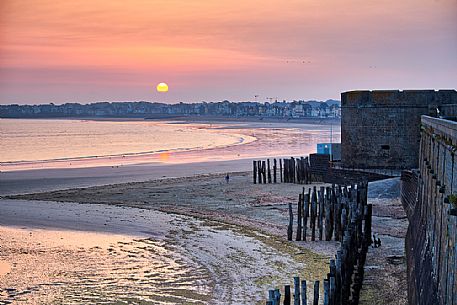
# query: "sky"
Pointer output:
{"type": "Point", "coordinates": [116, 50]}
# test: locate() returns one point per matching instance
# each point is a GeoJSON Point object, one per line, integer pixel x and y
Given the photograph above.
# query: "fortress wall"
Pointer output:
{"type": "Point", "coordinates": [431, 242]}
{"type": "Point", "coordinates": [380, 128]}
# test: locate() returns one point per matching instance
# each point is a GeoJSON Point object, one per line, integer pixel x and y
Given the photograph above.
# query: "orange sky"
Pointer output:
{"type": "Point", "coordinates": [66, 51]}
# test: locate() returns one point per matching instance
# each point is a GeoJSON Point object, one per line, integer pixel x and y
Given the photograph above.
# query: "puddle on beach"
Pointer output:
{"type": "Point", "coordinates": [187, 261]}
{"type": "Point", "coordinates": [70, 267]}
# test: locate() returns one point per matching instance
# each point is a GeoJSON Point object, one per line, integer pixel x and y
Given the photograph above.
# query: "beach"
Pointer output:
{"type": "Point", "coordinates": [233, 233]}
{"type": "Point", "coordinates": [122, 228]}
{"type": "Point", "coordinates": [272, 139]}
{"type": "Point", "coordinates": [174, 231]}
{"type": "Point", "coordinates": [223, 240]}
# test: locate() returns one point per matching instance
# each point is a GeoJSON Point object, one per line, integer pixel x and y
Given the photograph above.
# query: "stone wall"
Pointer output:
{"type": "Point", "coordinates": [380, 129]}
{"type": "Point", "coordinates": [431, 246]}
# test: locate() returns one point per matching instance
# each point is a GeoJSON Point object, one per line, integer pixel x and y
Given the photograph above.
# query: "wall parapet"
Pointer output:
{"type": "Point", "coordinates": [431, 242]}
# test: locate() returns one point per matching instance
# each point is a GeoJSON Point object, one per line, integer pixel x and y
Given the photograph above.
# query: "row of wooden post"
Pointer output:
{"type": "Point", "coordinates": [322, 214]}
{"type": "Point", "coordinates": [341, 213]}
{"type": "Point", "coordinates": [290, 171]}
{"type": "Point", "coordinates": [300, 295]}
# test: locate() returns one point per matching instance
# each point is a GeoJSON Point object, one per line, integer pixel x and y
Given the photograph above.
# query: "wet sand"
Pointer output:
{"type": "Point", "coordinates": [229, 237]}
{"type": "Point", "coordinates": [240, 213]}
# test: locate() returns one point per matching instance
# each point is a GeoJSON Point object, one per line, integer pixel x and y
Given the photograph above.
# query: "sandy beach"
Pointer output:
{"type": "Point", "coordinates": [249, 218]}
{"type": "Point", "coordinates": [68, 233]}
{"type": "Point", "coordinates": [231, 234]}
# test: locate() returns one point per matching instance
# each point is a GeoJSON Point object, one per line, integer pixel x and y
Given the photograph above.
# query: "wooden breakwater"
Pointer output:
{"type": "Point", "coordinates": [429, 199]}
{"type": "Point", "coordinates": [307, 170]}
{"type": "Point", "coordinates": [293, 170]}
{"type": "Point", "coordinates": [343, 215]}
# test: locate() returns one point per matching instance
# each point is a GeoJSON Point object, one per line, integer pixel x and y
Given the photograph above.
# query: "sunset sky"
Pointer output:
{"type": "Point", "coordinates": [85, 51]}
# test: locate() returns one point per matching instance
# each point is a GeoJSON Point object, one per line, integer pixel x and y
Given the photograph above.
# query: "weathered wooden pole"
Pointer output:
{"type": "Point", "coordinates": [316, 293]}
{"type": "Point", "coordinates": [259, 171]}
{"type": "Point", "coordinates": [326, 292]}
{"type": "Point", "coordinates": [269, 171]}
{"type": "Point", "coordinates": [293, 169]}
{"type": "Point", "coordinates": [264, 171]}
{"type": "Point", "coordinates": [313, 214]}
{"type": "Point", "coordinates": [321, 212]}
{"type": "Point", "coordinates": [337, 294]}
{"type": "Point", "coordinates": [332, 290]}
{"type": "Point", "coordinates": [275, 169]}
{"type": "Point", "coordinates": [277, 298]}
{"type": "Point", "coordinates": [280, 170]}
{"type": "Point", "coordinates": [305, 214]}
{"type": "Point", "coordinates": [328, 217]}
{"type": "Point", "coordinates": [297, 290]}
{"type": "Point", "coordinates": [304, 299]}
{"type": "Point", "coordinates": [271, 296]}
{"type": "Point", "coordinates": [299, 217]}
{"type": "Point", "coordinates": [291, 223]}
{"type": "Point", "coordinates": [254, 166]}
{"type": "Point", "coordinates": [287, 295]}
{"type": "Point", "coordinates": [305, 171]}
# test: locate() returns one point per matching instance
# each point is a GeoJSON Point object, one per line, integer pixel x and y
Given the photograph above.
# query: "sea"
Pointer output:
{"type": "Point", "coordinates": [51, 143]}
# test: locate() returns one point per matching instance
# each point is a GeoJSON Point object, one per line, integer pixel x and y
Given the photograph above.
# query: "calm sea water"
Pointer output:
{"type": "Point", "coordinates": [39, 144]}
{"type": "Point", "coordinates": [24, 140]}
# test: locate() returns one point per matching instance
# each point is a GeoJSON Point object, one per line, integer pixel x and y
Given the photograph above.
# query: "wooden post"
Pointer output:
{"type": "Point", "coordinates": [332, 290]}
{"type": "Point", "coordinates": [304, 300]}
{"type": "Point", "coordinates": [259, 171]}
{"type": "Point", "coordinates": [299, 217]}
{"type": "Point", "coordinates": [287, 295]}
{"type": "Point", "coordinates": [277, 298]}
{"type": "Point", "coordinates": [269, 171]}
{"type": "Point", "coordinates": [337, 295]}
{"type": "Point", "coordinates": [275, 167]}
{"type": "Point", "coordinates": [343, 221]}
{"type": "Point", "coordinates": [291, 223]}
{"type": "Point", "coordinates": [321, 212]}
{"type": "Point", "coordinates": [297, 290]}
{"type": "Point", "coordinates": [280, 170]}
{"type": "Point", "coordinates": [305, 214]}
{"type": "Point", "coordinates": [292, 167]}
{"type": "Point", "coordinates": [328, 217]}
{"type": "Point", "coordinates": [254, 165]}
{"type": "Point", "coordinates": [326, 292]}
{"type": "Point", "coordinates": [264, 171]}
{"type": "Point", "coordinates": [316, 293]}
{"type": "Point", "coordinates": [271, 296]}
{"type": "Point", "coordinates": [313, 214]}
{"type": "Point", "coordinates": [307, 171]}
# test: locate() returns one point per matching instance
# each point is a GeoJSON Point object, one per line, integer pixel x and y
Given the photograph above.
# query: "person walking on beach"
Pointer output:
{"type": "Point", "coordinates": [227, 178]}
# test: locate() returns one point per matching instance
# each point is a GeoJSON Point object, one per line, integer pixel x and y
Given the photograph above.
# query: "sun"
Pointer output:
{"type": "Point", "coordinates": [162, 87]}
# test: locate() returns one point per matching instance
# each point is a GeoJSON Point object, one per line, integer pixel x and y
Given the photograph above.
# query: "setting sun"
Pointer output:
{"type": "Point", "coordinates": [162, 87]}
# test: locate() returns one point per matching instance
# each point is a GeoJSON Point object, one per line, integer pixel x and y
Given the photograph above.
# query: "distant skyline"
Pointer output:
{"type": "Point", "coordinates": [86, 51]}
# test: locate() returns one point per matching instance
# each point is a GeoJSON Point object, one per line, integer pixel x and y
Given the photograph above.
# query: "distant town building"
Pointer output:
{"type": "Point", "coordinates": [288, 110]}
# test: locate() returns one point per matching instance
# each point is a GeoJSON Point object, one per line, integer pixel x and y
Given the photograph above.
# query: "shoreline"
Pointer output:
{"type": "Point", "coordinates": [254, 140]}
